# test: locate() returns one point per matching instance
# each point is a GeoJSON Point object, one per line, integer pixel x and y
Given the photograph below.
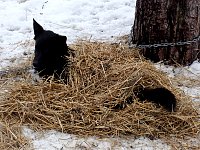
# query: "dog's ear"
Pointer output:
{"type": "Point", "coordinates": [38, 29]}
{"type": "Point", "coordinates": [64, 38]}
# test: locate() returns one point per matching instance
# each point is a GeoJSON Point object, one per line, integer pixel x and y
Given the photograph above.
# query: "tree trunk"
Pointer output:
{"type": "Point", "coordinates": [167, 30]}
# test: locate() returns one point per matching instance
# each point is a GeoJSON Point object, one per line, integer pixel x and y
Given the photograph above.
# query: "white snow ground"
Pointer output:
{"type": "Point", "coordinates": [96, 19]}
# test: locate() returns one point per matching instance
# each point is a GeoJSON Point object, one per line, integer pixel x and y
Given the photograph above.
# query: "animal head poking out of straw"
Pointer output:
{"type": "Point", "coordinates": [50, 52]}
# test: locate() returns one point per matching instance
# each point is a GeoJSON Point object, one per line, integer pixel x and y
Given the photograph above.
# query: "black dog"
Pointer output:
{"type": "Point", "coordinates": [51, 53]}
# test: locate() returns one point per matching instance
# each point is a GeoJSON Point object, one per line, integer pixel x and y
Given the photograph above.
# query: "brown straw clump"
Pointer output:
{"type": "Point", "coordinates": [12, 138]}
{"type": "Point", "coordinates": [101, 76]}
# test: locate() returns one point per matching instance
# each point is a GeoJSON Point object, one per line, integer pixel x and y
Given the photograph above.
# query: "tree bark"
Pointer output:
{"type": "Point", "coordinates": [167, 22]}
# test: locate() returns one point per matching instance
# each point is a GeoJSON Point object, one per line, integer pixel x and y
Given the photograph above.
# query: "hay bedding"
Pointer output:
{"type": "Point", "coordinates": [102, 75]}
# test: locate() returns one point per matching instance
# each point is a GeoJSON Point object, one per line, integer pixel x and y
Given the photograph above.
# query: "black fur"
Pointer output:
{"type": "Point", "coordinates": [160, 96]}
{"type": "Point", "coordinates": [50, 52]}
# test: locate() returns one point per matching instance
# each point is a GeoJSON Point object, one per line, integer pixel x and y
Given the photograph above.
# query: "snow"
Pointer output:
{"type": "Point", "coordinates": [195, 68]}
{"type": "Point", "coordinates": [95, 19]}
{"type": "Point", "coordinates": [53, 140]}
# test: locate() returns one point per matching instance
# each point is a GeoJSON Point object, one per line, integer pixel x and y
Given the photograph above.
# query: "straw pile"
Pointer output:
{"type": "Point", "coordinates": [10, 132]}
{"type": "Point", "coordinates": [102, 75]}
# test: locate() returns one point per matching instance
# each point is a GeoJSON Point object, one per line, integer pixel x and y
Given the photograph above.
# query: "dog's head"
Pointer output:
{"type": "Point", "coordinates": [50, 51]}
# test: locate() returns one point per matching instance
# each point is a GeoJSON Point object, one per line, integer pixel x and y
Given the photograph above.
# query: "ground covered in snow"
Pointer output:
{"type": "Point", "coordinates": [96, 19]}
{"type": "Point", "coordinates": [91, 19]}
